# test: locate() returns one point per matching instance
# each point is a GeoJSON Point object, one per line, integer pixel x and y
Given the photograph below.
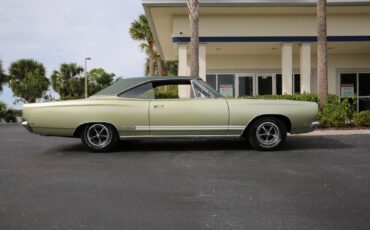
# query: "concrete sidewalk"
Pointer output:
{"type": "Point", "coordinates": [332, 132]}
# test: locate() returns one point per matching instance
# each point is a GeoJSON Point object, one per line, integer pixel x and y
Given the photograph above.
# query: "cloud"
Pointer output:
{"type": "Point", "coordinates": [55, 32]}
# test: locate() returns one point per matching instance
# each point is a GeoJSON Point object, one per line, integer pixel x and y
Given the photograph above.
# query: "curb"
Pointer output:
{"type": "Point", "coordinates": [336, 132]}
{"type": "Point", "coordinates": [6, 124]}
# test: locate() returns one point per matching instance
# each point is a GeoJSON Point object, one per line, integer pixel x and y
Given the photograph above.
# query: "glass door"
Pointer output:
{"type": "Point", "coordinates": [355, 86]}
{"type": "Point", "coordinates": [363, 91]}
{"type": "Point", "coordinates": [226, 84]}
{"type": "Point", "coordinates": [245, 85]}
{"type": "Point", "coordinates": [264, 84]}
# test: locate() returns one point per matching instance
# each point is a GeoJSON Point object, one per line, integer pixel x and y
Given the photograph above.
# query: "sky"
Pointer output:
{"type": "Point", "coordinates": [54, 32]}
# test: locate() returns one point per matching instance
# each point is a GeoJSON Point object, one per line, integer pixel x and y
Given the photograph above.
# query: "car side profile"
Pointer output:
{"type": "Point", "coordinates": [138, 107]}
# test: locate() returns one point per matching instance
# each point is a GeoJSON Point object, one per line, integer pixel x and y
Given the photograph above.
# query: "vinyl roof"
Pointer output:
{"type": "Point", "coordinates": [127, 83]}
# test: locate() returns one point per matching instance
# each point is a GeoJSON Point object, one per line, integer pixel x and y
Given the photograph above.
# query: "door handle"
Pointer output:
{"type": "Point", "coordinates": [158, 106]}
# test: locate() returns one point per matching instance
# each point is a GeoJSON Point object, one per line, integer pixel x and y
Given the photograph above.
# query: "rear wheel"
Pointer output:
{"type": "Point", "coordinates": [99, 137]}
{"type": "Point", "coordinates": [267, 133]}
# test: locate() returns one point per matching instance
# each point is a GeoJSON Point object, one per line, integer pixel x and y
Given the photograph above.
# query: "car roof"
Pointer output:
{"type": "Point", "coordinates": [127, 83]}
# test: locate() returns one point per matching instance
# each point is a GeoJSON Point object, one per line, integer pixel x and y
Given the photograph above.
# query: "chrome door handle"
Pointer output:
{"type": "Point", "coordinates": [158, 106]}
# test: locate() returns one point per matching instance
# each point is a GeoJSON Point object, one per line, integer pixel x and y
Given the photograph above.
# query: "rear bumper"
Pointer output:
{"type": "Point", "coordinates": [27, 126]}
{"type": "Point", "coordinates": [314, 125]}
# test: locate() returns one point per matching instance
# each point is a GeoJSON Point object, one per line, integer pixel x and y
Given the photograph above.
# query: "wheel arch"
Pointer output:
{"type": "Point", "coordinates": [79, 130]}
{"type": "Point", "coordinates": [282, 118]}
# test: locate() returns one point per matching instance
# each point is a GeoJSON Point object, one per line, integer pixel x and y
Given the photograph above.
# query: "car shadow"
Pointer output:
{"type": "Point", "coordinates": [211, 144]}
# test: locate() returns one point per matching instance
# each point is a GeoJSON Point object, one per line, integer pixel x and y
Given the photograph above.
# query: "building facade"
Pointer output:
{"type": "Point", "coordinates": [260, 47]}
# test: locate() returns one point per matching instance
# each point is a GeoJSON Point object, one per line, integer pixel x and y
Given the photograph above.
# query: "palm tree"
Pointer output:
{"type": "Point", "coordinates": [156, 63]}
{"type": "Point", "coordinates": [140, 30]}
{"type": "Point", "coordinates": [159, 65]}
{"type": "Point", "coordinates": [66, 81]}
{"type": "Point", "coordinates": [322, 65]}
{"type": "Point", "coordinates": [27, 79]}
{"type": "Point", "coordinates": [193, 9]}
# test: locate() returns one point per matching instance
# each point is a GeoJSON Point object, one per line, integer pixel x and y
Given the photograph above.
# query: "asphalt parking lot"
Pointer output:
{"type": "Point", "coordinates": [316, 182]}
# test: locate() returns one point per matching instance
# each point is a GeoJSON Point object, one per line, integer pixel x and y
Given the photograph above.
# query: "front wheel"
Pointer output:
{"type": "Point", "coordinates": [267, 133]}
{"type": "Point", "coordinates": [99, 137]}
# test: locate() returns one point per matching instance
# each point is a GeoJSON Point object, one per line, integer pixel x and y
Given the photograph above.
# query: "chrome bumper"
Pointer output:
{"type": "Point", "coordinates": [314, 125]}
{"type": "Point", "coordinates": [26, 125]}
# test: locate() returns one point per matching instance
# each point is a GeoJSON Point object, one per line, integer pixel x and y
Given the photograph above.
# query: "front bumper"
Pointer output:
{"type": "Point", "coordinates": [26, 125]}
{"type": "Point", "coordinates": [314, 125]}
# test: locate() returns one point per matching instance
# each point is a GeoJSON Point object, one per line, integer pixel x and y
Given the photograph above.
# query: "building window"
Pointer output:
{"type": "Point", "coordinates": [211, 80]}
{"type": "Point", "coordinates": [265, 85]}
{"type": "Point", "coordinates": [238, 85]}
{"type": "Point", "coordinates": [355, 87]}
{"type": "Point", "coordinates": [279, 84]}
{"type": "Point", "coordinates": [296, 83]}
{"type": "Point", "coordinates": [224, 83]}
{"type": "Point", "coordinates": [245, 85]}
{"type": "Point", "coordinates": [364, 91]}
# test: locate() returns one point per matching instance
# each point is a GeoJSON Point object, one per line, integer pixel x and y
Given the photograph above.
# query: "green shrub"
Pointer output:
{"type": "Point", "coordinates": [2, 110]}
{"type": "Point", "coordinates": [8, 115]}
{"type": "Point", "coordinates": [166, 95]}
{"type": "Point", "coordinates": [294, 97]}
{"type": "Point", "coordinates": [362, 119]}
{"type": "Point", "coordinates": [336, 113]}
{"type": "Point", "coordinates": [166, 92]}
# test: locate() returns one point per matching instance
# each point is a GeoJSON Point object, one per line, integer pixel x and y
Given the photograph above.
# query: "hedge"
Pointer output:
{"type": "Point", "coordinates": [362, 119]}
{"type": "Point", "coordinates": [294, 97]}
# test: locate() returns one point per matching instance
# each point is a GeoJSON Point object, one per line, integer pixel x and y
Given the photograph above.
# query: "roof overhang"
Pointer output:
{"type": "Point", "coordinates": [252, 2]}
{"type": "Point", "coordinates": [165, 43]}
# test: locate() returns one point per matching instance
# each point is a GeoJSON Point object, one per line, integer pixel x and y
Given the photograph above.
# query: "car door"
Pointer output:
{"type": "Point", "coordinates": [189, 116]}
{"type": "Point", "coordinates": [134, 114]}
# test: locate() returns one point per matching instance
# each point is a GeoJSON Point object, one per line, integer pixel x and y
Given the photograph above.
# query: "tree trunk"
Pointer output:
{"type": "Point", "coordinates": [322, 72]}
{"type": "Point", "coordinates": [164, 69]}
{"type": "Point", "coordinates": [159, 65]}
{"type": "Point", "coordinates": [30, 100]}
{"type": "Point", "coordinates": [193, 8]}
{"type": "Point", "coordinates": [151, 56]}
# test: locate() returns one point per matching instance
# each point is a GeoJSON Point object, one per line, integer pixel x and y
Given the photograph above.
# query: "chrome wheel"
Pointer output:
{"type": "Point", "coordinates": [268, 134]}
{"type": "Point", "coordinates": [98, 135]}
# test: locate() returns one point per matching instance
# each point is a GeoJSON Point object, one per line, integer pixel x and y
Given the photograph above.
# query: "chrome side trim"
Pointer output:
{"type": "Point", "coordinates": [188, 128]}
{"type": "Point", "coordinates": [175, 136]}
{"type": "Point", "coordinates": [27, 126]}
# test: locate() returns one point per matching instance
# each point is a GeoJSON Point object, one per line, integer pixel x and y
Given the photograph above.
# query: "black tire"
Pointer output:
{"type": "Point", "coordinates": [99, 137]}
{"type": "Point", "coordinates": [267, 134]}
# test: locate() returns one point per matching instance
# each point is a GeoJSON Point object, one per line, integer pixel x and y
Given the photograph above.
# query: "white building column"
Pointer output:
{"type": "Point", "coordinates": [305, 67]}
{"type": "Point", "coordinates": [183, 60]}
{"type": "Point", "coordinates": [202, 61]}
{"type": "Point", "coordinates": [287, 67]}
{"type": "Point", "coordinates": [183, 70]}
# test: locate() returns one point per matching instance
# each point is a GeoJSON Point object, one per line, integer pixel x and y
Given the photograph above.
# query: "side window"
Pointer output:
{"type": "Point", "coordinates": [175, 89]}
{"type": "Point", "coordinates": [141, 92]}
{"type": "Point", "coordinates": [200, 92]}
{"type": "Point", "coordinates": [166, 92]}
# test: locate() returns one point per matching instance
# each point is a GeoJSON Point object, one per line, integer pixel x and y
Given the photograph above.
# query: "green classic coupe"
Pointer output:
{"type": "Point", "coordinates": [169, 107]}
